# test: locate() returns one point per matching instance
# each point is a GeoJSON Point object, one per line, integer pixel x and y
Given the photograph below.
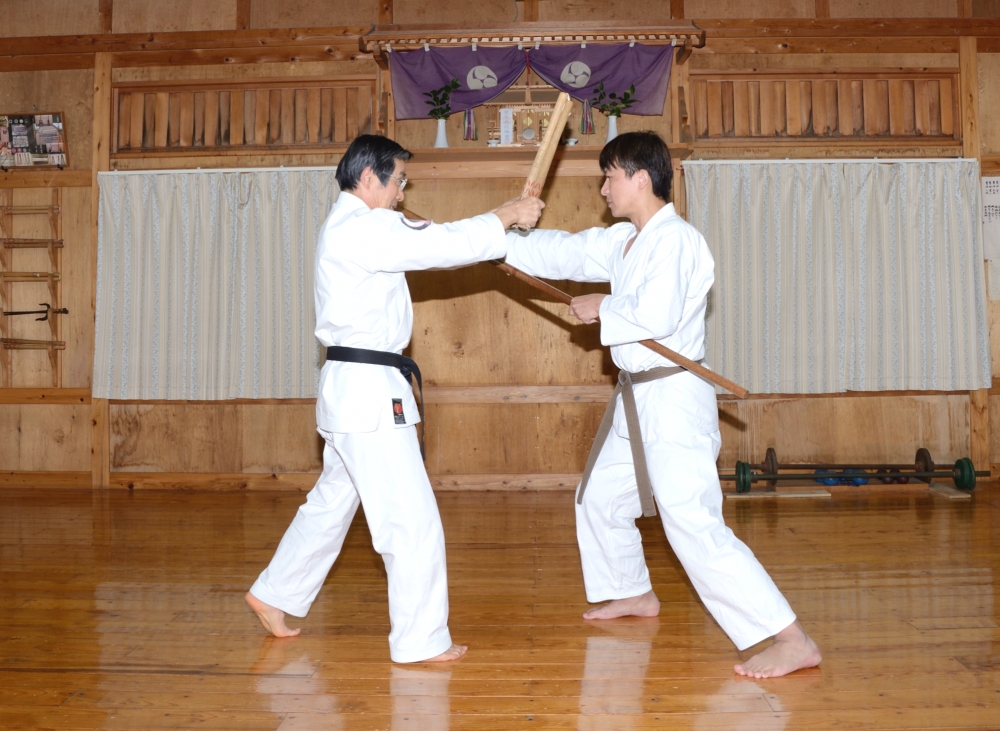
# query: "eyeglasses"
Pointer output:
{"type": "Point", "coordinates": [402, 181]}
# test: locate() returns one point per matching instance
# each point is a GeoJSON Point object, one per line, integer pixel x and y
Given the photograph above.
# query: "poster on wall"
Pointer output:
{"type": "Point", "coordinates": [32, 140]}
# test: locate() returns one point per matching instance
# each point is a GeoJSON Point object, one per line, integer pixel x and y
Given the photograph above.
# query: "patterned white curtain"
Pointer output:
{"type": "Point", "coordinates": [840, 276]}
{"type": "Point", "coordinates": [205, 283]}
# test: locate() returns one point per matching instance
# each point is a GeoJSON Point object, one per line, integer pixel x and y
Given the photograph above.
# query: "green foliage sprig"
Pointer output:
{"type": "Point", "coordinates": [613, 105]}
{"type": "Point", "coordinates": [440, 100]}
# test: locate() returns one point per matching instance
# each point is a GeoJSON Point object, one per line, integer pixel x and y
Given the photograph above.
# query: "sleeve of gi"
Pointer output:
{"type": "Point", "coordinates": [582, 257]}
{"type": "Point", "coordinates": [398, 245]}
{"type": "Point", "coordinates": [655, 308]}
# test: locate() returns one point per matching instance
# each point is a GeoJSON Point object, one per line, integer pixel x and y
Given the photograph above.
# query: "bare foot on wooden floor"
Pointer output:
{"type": "Point", "coordinates": [272, 618]}
{"type": "Point", "coordinates": [792, 650]}
{"type": "Point", "coordinates": [452, 653]}
{"type": "Point", "coordinates": [644, 605]}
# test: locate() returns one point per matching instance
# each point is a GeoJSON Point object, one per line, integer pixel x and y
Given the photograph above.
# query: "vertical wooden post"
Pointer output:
{"type": "Point", "coordinates": [385, 12]}
{"type": "Point", "coordinates": [979, 428]}
{"type": "Point", "coordinates": [242, 14]}
{"type": "Point", "coordinates": [105, 13]}
{"type": "Point", "coordinates": [676, 9]}
{"type": "Point", "coordinates": [100, 447]}
{"type": "Point", "coordinates": [964, 8]}
{"type": "Point", "coordinates": [530, 11]}
{"type": "Point", "coordinates": [822, 8]}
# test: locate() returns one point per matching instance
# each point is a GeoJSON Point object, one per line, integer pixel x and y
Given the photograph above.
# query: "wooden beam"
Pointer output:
{"type": "Point", "coordinates": [676, 9]}
{"type": "Point", "coordinates": [73, 396]}
{"type": "Point", "coordinates": [20, 478]}
{"type": "Point", "coordinates": [822, 8]}
{"type": "Point", "coordinates": [46, 179]}
{"type": "Point", "coordinates": [968, 63]}
{"type": "Point", "coordinates": [105, 13]}
{"type": "Point", "coordinates": [530, 11]}
{"type": "Point", "coordinates": [59, 62]}
{"type": "Point", "coordinates": [979, 426]}
{"type": "Point", "coordinates": [243, 14]}
{"type": "Point", "coordinates": [100, 446]}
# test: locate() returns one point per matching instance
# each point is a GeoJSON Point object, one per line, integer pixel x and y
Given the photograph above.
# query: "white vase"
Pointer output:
{"type": "Point", "coordinates": [442, 135]}
{"type": "Point", "coordinates": [612, 129]}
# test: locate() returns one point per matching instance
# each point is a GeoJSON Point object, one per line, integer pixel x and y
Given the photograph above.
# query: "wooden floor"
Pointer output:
{"type": "Point", "coordinates": [125, 611]}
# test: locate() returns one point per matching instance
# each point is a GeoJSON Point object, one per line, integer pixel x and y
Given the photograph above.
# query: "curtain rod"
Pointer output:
{"type": "Point", "coordinates": [222, 170]}
{"type": "Point", "coordinates": [787, 161]}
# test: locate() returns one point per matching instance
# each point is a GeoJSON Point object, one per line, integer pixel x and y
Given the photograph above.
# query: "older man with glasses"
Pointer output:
{"type": "Point", "coordinates": [366, 410]}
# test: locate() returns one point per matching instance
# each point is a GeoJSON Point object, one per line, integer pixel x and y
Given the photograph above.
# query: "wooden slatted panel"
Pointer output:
{"type": "Point", "coordinates": [714, 108]}
{"type": "Point", "coordinates": [340, 114]}
{"type": "Point", "coordinates": [174, 120]}
{"type": "Point", "coordinates": [857, 108]}
{"type": "Point", "coordinates": [845, 108]}
{"type": "Point", "coordinates": [124, 120]}
{"type": "Point", "coordinates": [806, 107]}
{"type": "Point", "coordinates": [225, 111]}
{"type": "Point", "coordinates": [186, 131]}
{"type": "Point", "coordinates": [767, 109]}
{"type": "Point", "coordinates": [235, 118]}
{"type": "Point", "coordinates": [780, 108]}
{"type": "Point", "coordinates": [365, 110]}
{"type": "Point", "coordinates": [753, 108]}
{"type": "Point", "coordinates": [832, 107]}
{"type": "Point", "coordinates": [947, 108]}
{"type": "Point", "coordinates": [301, 126]}
{"type": "Point", "coordinates": [262, 114]}
{"type": "Point", "coordinates": [922, 106]}
{"type": "Point", "coordinates": [741, 109]}
{"type": "Point", "coordinates": [934, 106]}
{"type": "Point", "coordinates": [870, 91]}
{"type": "Point", "coordinates": [820, 126]}
{"type": "Point", "coordinates": [149, 120]}
{"type": "Point", "coordinates": [312, 114]}
{"type": "Point", "coordinates": [896, 106]}
{"type": "Point", "coordinates": [199, 119]}
{"type": "Point", "coordinates": [909, 121]}
{"type": "Point", "coordinates": [162, 115]}
{"type": "Point", "coordinates": [287, 116]}
{"type": "Point", "coordinates": [352, 114]}
{"type": "Point", "coordinates": [882, 106]}
{"type": "Point", "coordinates": [326, 115]}
{"type": "Point", "coordinates": [250, 117]}
{"type": "Point", "coordinates": [793, 108]}
{"type": "Point", "coordinates": [136, 121]}
{"type": "Point", "coordinates": [212, 119]}
{"type": "Point", "coordinates": [727, 108]}
{"type": "Point", "coordinates": [275, 125]}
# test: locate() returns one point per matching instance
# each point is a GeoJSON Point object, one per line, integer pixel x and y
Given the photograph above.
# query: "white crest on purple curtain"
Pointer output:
{"type": "Point", "coordinates": [483, 74]}
{"type": "Point", "coordinates": [578, 71]}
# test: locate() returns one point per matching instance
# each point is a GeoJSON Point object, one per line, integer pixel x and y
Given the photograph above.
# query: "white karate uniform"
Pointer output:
{"type": "Point", "coordinates": [362, 301]}
{"type": "Point", "coordinates": [659, 292]}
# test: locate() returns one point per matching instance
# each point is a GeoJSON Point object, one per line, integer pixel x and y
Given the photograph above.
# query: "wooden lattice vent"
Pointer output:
{"type": "Point", "coordinates": [843, 105]}
{"type": "Point", "coordinates": [295, 115]}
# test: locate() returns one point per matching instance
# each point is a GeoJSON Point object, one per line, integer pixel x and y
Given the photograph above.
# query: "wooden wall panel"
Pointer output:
{"type": "Point", "coordinates": [728, 61]}
{"type": "Point", "coordinates": [77, 289]}
{"type": "Point", "coordinates": [143, 16]}
{"type": "Point", "coordinates": [865, 429]}
{"type": "Point", "coordinates": [45, 438]}
{"type": "Point", "coordinates": [989, 102]}
{"type": "Point", "coordinates": [652, 11]}
{"type": "Point", "coordinates": [281, 438]}
{"type": "Point", "coordinates": [749, 9]}
{"type": "Point", "coordinates": [69, 92]}
{"type": "Point", "coordinates": [478, 13]}
{"type": "Point", "coordinates": [49, 17]}
{"type": "Point", "coordinates": [986, 8]}
{"type": "Point", "coordinates": [312, 13]}
{"type": "Point", "coordinates": [893, 8]}
{"type": "Point", "coordinates": [176, 438]}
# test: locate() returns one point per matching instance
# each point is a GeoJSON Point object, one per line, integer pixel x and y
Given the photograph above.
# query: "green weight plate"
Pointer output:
{"type": "Point", "coordinates": [770, 465]}
{"type": "Point", "coordinates": [743, 477]}
{"type": "Point", "coordinates": [965, 474]}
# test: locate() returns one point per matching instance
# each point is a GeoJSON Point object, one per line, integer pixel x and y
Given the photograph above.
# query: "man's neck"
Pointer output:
{"type": "Point", "coordinates": [646, 210]}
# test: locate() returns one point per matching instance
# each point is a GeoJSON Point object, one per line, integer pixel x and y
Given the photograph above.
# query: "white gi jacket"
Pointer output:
{"type": "Point", "coordinates": [362, 301]}
{"type": "Point", "coordinates": [658, 292]}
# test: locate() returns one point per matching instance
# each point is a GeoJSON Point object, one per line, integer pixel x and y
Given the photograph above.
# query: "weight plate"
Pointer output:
{"type": "Point", "coordinates": [885, 480]}
{"type": "Point", "coordinates": [923, 463]}
{"type": "Point", "coordinates": [965, 474]}
{"type": "Point", "coordinates": [855, 477]}
{"type": "Point", "coordinates": [770, 465]}
{"type": "Point", "coordinates": [833, 479]}
{"type": "Point", "coordinates": [744, 477]}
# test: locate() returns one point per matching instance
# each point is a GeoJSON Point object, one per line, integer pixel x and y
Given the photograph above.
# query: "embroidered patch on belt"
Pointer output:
{"type": "Point", "coordinates": [397, 411]}
{"type": "Point", "coordinates": [416, 225]}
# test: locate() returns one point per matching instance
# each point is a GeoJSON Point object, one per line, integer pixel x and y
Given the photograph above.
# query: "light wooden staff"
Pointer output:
{"type": "Point", "coordinates": [672, 356]}
{"type": "Point", "coordinates": [547, 150]}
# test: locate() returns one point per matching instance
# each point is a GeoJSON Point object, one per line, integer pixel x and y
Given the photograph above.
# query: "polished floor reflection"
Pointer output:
{"type": "Point", "coordinates": [124, 610]}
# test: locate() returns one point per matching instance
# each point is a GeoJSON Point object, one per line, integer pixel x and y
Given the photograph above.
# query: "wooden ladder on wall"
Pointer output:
{"type": "Point", "coordinates": [9, 277]}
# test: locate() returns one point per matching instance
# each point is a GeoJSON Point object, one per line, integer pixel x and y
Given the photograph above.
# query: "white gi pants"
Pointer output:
{"type": "Point", "coordinates": [730, 581]}
{"type": "Point", "coordinates": [383, 471]}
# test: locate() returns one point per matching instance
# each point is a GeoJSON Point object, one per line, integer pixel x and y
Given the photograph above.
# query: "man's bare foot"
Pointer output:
{"type": "Point", "coordinates": [644, 605]}
{"type": "Point", "coordinates": [452, 653]}
{"type": "Point", "coordinates": [792, 650]}
{"type": "Point", "coordinates": [272, 618]}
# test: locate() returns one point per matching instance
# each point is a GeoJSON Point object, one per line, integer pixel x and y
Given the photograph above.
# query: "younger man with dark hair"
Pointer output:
{"type": "Point", "coordinates": [660, 271]}
{"type": "Point", "coordinates": [365, 409]}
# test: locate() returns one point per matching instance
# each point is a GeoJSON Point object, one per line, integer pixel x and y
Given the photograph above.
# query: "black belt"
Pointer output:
{"type": "Point", "coordinates": [407, 366]}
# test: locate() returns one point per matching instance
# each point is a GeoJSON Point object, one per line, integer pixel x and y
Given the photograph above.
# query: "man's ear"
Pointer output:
{"type": "Point", "coordinates": [367, 177]}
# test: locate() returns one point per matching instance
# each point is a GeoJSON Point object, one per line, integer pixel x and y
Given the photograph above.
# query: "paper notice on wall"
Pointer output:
{"type": "Point", "coordinates": [991, 218]}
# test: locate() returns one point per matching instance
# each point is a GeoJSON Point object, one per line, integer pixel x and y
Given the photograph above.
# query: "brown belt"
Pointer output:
{"type": "Point", "coordinates": [624, 387]}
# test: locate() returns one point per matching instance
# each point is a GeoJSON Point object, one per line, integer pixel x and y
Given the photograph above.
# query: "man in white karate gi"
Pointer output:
{"type": "Point", "coordinates": [366, 410]}
{"type": "Point", "coordinates": [660, 271]}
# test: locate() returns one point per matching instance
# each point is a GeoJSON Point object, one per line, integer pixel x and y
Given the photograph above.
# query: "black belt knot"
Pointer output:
{"type": "Point", "coordinates": [406, 366]}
